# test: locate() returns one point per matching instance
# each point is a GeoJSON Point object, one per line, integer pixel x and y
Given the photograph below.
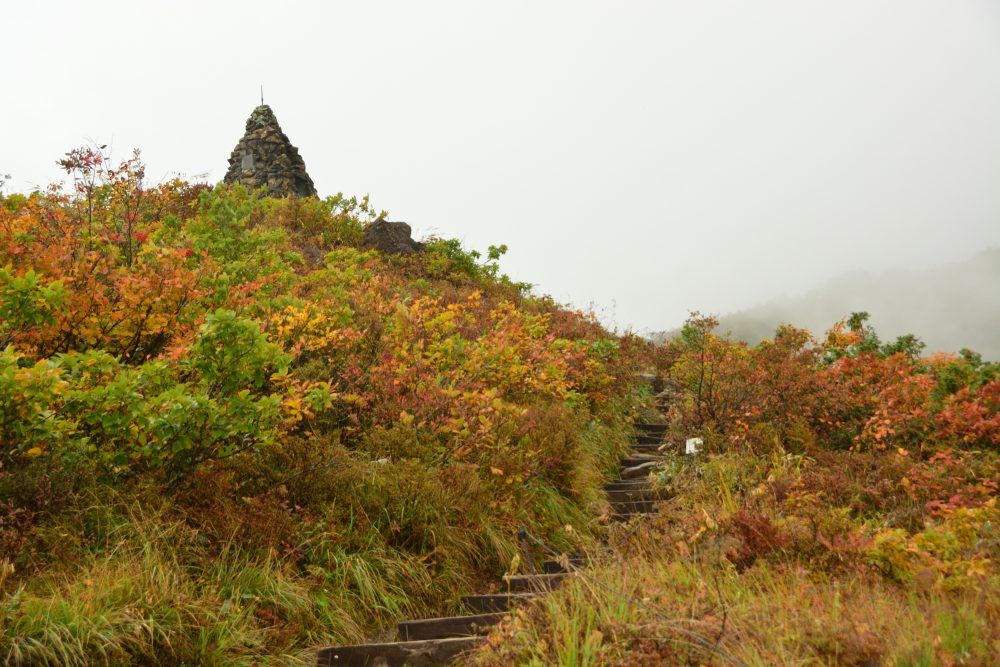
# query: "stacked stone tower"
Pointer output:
{"type": "Point", "coordinates": [265, 156]}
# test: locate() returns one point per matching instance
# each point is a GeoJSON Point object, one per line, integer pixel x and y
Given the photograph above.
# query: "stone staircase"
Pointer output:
{"type": "Point", "coordinates": [437, 641]}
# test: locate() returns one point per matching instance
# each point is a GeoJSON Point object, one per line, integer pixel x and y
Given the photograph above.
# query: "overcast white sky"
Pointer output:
{"type": "Point", "coordinates": [644, 157]}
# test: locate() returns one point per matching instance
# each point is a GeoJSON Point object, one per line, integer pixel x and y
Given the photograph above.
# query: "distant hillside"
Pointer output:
{"type": "Point", "coordinates": [949, 307]}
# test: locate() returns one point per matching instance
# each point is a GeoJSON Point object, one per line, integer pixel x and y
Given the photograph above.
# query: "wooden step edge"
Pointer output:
{"type": "Point", "coordinates": [637, 471]}
{"type": "Point", "coordinates": [520, 583]}
{"type": "Point", "coordinates": [625, 517]}
{"type": "Point", "coordinates": [628, 481]}
{"type": "Point", "coordinates": [628, 495]}
{"type": "Point", "coordinates": [448, 626]}
{"type": "Point", "coordinates": [643, 456]}
{"type": "Point", "coordinates": [635, 460]}
{"type": "Point", "coordinates": [397, 654]}
{"type": "Point", "coordinates": [628, 484]}
{"type": "Point", "coordinates": [631, 491]}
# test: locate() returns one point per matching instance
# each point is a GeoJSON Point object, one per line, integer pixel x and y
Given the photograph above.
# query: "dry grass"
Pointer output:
{"type": "Point", "coordinates": [778, 559]}
{"type": "Point", "coordinates": [639, 612]}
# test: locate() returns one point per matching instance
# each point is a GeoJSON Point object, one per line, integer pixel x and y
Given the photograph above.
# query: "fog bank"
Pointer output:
{"type": "Point", "coordinates": [949, 307]}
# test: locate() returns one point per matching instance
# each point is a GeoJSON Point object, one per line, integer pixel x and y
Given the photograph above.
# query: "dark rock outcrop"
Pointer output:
{"type": "Point", "coordinates": [265, 156]}
{"type": "Point", "coordinates": [391, 237]}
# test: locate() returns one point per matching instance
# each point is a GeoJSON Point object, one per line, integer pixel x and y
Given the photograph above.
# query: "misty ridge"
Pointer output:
{"type": "Point", "coordinates": [949, 307]}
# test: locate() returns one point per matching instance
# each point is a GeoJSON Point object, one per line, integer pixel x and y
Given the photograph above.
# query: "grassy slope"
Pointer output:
{"type": "Point", "coordinates": [337, 521]}
{"type": "Point", "coordinates": [799, 602]}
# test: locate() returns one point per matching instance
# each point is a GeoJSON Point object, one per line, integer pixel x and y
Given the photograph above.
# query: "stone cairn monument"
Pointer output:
{"type": "Point", "coordinates": [265, 156]}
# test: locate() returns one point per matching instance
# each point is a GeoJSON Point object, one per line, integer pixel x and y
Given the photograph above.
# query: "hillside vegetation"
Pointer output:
{"type": "Point", "coordinates": [229, 433]}
{"type": "Point", "coordinates": [843, 511]}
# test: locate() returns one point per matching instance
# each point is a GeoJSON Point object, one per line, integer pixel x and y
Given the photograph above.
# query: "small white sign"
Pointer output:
{"type": "Point", "coordinates": [693, 445]}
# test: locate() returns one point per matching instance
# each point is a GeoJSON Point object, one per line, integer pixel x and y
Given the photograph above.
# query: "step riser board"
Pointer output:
{"type": "Point", "coordinates": [651, 429]}
{"type": "Point", "coordinates": [411, 654]}
{"type": "Point", "coordinates": [631, 507]}
{"type": "Point", "coordinates": [532, 583]}
{"type": "Point", "coordinates": [640, 484]}
{"type": "Point", "coordinates": [451, 626]}
{"type": "Point", "coordinates": [553, 567]}
{"type": "Point", "coordinates": [488, 604]}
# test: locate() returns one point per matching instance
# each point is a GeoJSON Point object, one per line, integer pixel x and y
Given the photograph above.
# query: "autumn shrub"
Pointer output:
{"type": "Point", "coordinates": [223, 398]}
{"type": "Point", "coordinates": [26, 304]}
{"type": "Point", "coordinates": [322, 224]}
{"type": "Point", "coordinates": [849, 391]}
{"type": "Point", "coordinates": [953, 478]}
{"type": "Point", "coordinates": [29, 395]}
{"type": "Point", "coordinates": [956, 550]}
{"type": "Point", "coordinates": [758, 537]}
{"type": "Point", "coordinates": [972, 416]}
